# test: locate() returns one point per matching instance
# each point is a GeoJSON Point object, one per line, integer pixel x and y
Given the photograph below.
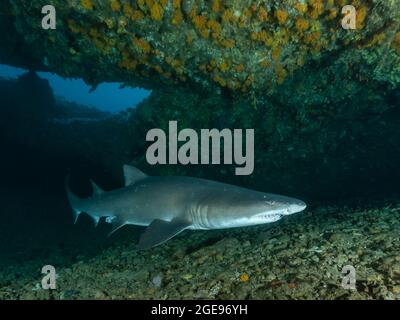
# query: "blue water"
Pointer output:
{"type": "Point", "coordinates": [107, 96]}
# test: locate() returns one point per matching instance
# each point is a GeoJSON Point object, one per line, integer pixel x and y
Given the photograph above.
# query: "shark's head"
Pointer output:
{"type": "Point", "coordinates": [274, 207]}
{"type": "Point", "coordinates": [253, 208]}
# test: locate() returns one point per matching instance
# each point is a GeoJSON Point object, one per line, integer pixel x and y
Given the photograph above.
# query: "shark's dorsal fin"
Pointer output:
{"type": "Point", "coordinates": [160, 231]}
{"type": "Point", "coordinates": [132, 175]}
{"type": "Point", "coordinates": [96, 189]}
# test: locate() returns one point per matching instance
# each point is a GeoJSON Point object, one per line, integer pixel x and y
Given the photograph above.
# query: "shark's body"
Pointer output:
{"type": "Point", "coordinates": [169, 205]}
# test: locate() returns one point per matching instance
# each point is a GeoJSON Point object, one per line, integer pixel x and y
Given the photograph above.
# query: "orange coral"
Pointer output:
{"type": "Point", "coordinates": [175, 63]}
{"type": "Point", "coordinates": [316, 8]}
{"type": "Point", "coordinates": [396, 43]}
{"type": "Point", "coordinates": [330, 3]}
{"type": "Point", "coordinates": [176, 4]}
{"type": "Point", "coordinates": [189, 38]}
{"type": "Point", "coordinates": [224, 66]}
{"type": "Point", "coordinates": [254, 36]}
{"type": "Point", "coordinates": [228, 43]}
{"type": "Point", "coordinates": [397, 38]}
{"type": "Point", "coordinates": [277, 31]}
{"type": "Point", "coordinates": [317, 5]}
{"type": "Point", "coordinates": [205, 33]}
{"type": "Point", "coordinates": [360, 17]}
{"type": "Point", "coordinates": [249, 81]}
{"type": "Point", "coordinates": [232, 84]}
{"type": "Point", "coordinates": [247, 13]}
{"type": "Point", "coordinates": [332, 13]}
{"type": "Point", "coordinates": [199, 21]}
{"type": "Point", "coordinates": [215, 27]}
{"type": "Point", "coordinates": [158, 69]}
{"type": "Point", "coordinates": [312, 37]}
{"type": "Point", "coordinates": [244, 277]}
{"type": "Point", "coordinates": [301, 7]}
{"type": "Point", "coordinates": [137, 15]}
{"type": "Point", "coordinates": [376, 39]}
{"type": "Point", "coordinates": [262, 14]}
{"type": "Point", "coordinates": [87, 4]}
{"type": "Point", "coordinates": [281, 15]}
{"type": "Point", "coordinates": [280, 73]}
{"type": "Point", "coordinates": [216, 6]}
{"type": "Point", "coordinates": [149, 3]}
{"type": "Point", "coordinates": [177, 17]}
{"type": "Point", "coordinates": [265, 64]}
{"type": "Point", "coordinates": [262, 36]}
{"type": "Point", "coordinates": [127, 62]}
{"type": "Point", "coordinates": [302, 24]}
{"type": "Point", "coordinates": [115, 5]}
{"type": "Point", "coordinates": [220, 80]}
{"type": "Point", "coordinates": [156, 12]}
{"type": "Point", "coordinates": [275, 53]}
{"type": "Point", "coordinates": [239, 68]}
{"type": "Point", "coordinates": [228, 16]}
{"type": "Point", "coordinates": [142, 44]}
{"type": "Point", "coordinates": [128, 10]}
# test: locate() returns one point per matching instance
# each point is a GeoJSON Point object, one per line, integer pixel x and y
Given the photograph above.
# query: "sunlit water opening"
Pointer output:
{"type": "Point", "coordinates": [106, 97]}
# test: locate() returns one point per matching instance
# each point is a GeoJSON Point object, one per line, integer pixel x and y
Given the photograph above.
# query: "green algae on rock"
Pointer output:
{"type": "Point", "coordinates": [238, 46]}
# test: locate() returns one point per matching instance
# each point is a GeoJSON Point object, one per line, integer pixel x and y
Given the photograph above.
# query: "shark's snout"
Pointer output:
{"type": "Point", "coordinates": [297, 206]}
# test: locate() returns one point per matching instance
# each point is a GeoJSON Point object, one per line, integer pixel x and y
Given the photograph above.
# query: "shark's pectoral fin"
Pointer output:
{"type": "Point", "coordinates": [160, 231]}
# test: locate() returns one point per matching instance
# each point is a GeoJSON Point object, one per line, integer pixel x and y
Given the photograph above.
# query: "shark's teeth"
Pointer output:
{"type": "Point", "coordinates": [271, 216]}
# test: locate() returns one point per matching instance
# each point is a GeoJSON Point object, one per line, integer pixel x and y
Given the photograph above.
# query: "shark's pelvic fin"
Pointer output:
{"type": "Point", "coordinates": [96, 220]}
{"type": "Point", "coordinates": [96, 189]}
{"type": "Point", "coordinates": [160, 231]}
{"type": "Point", "coordinates": [132, 175]}
{"type": "Point", "coordinates": [116, 224]}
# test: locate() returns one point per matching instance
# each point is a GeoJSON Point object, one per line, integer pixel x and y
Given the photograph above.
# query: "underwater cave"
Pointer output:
{"type": "Point", "coordinates": [324, 104]}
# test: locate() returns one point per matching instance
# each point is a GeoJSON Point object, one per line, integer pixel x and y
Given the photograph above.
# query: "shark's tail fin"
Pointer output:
{"type": "Point", "coordinates": [74, 201]}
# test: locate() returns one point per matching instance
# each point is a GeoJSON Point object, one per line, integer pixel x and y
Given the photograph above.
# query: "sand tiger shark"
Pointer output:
{"type": "Point", "coordinates": [168, 205]}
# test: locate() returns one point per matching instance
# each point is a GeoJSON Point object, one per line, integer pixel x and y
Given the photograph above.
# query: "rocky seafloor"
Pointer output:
{"type": "Point", "coordinates": [300, 257]}
{"type": "Point", "coordinates": [326, 122]}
